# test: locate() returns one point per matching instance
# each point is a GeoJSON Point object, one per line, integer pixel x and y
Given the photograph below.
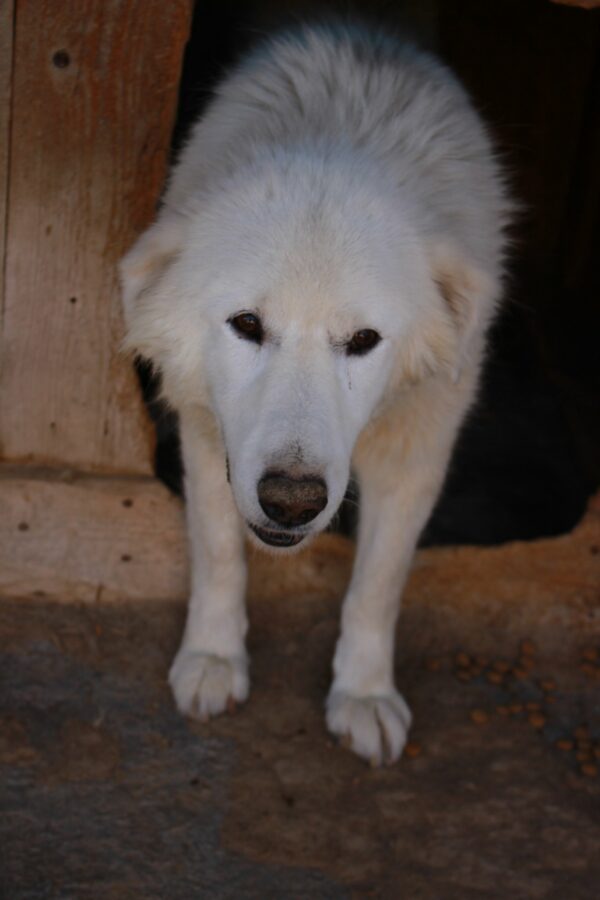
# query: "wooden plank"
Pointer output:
{"type": "Point", "coordinates": [583, 4]}
{"type": "Point", "coordinates": [94, 96]}
{"type": "Point", "coordinates": [89, 538]}
{"type": "Point", "coordinates": [6, 58]}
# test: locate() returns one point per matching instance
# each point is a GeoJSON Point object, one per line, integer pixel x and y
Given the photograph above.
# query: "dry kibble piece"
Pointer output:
{"type": "Point", "coordinates": [549, 698]}
{"type": "Point", "coordinates": [432, 664]}
{"type": "Point", "coordinates": [584, 744]}
{"type": "Point", "coordinates": [479, 716]}
{"type": "Point", "coordinates": [519, 673]}
{"type": "Point", "coordinates": [590, 654]}
{"type": "Point", "coordinates": [501, 665]}
{"type": "Point", "coordinates": [583, 756]}
{"type": "Point", "coordinates": [481, 661]}
{"type": "Point", "coordinates": [589, 768]}
{"type": "Point", "coordinates": [565, 744]}
{"type": "Point", "coordinates": [502, 710]}
{"type": "Point", "coordinates": [533, 706]}
{"type": "Point", "coordinates": [588, 669]}
{"type": "Point", "coordinates": [462, 660]}
{"type": "Point", "coordinates": [548, 685]}
{"type": "Point", "coordinates": [528, 648]}
{"type": "Point", "coordinates": [463, 675]}
{"type": "Point", "coordinates": [537, 719]}
{"type": "Point", "coordinates": [581, 733]}
{"type": "Point", "coordinates": [412, 749]}
{"type": "Point", "coordinates": [516, 708]}
{"type": "Point", "coordinates": [596, 751]}
{"type": "Point", "coordinates": [526, 662]}
{"type": "Point", "coordinates": [494, 677]}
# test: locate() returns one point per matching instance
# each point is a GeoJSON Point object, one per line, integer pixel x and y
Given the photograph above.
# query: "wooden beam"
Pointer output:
{"type": "Point", "coordinates": [85, 538]}
{"type": "Point", "coordinates": [6, 62]}
{"type": "Point", "coordinates": [95, 87]}
{"type": "Point", "coordinates": [583, 4]}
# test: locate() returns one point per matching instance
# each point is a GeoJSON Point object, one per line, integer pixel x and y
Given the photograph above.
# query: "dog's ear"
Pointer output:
{"type": "Point", "coordinates": [140, 271]}
{"type": "Point", "coordinates": [469, 295]}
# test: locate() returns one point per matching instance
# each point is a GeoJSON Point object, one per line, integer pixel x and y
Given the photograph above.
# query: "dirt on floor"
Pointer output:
{"type": "Point", "coordinates": [106, 792]}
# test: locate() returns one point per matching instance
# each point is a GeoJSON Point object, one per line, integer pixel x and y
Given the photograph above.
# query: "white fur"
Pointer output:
{"type": "Point", "coordinates": [339, 181]}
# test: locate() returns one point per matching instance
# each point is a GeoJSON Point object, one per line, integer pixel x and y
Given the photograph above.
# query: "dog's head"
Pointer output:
{"type": "Point", "coordinates": [294, 306]}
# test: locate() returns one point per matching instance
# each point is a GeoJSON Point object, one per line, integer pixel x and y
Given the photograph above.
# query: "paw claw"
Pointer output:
{"type": "Point", "coordinates": [374, 727]}
{"type": "Point", "coordinates": [206, 685]}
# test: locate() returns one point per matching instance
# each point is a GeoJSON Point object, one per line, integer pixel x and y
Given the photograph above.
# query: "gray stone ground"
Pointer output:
{"type": "Point", "coordinates": [105, 792]}
{"type": "Point", "coordinates": [100, 805]}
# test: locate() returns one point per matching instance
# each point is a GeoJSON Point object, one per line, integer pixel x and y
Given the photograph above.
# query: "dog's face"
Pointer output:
{"type": "Point", "coordinates": [293, 320]}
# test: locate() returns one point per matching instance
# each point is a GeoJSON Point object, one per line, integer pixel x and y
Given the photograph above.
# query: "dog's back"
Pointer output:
{"type": "Point", "coordinates": [326, 92]}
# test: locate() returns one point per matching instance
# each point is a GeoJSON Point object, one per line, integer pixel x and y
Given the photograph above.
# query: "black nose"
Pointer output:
{"type": "Point", "coordinates": [291, 501]}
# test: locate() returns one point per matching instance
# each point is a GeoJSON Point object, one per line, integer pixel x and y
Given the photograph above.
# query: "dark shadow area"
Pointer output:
{"type": "Point", "coordinates": [527, 459]}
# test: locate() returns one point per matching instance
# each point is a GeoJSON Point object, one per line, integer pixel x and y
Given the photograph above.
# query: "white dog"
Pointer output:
{"type": "Point", "coordinates": [316, 292]}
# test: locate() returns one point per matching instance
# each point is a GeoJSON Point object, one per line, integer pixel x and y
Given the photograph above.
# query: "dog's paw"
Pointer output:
{"type": "Point", "coordinates": [205, 685]}
{"type": "Point", "coordinates": [374, 727]}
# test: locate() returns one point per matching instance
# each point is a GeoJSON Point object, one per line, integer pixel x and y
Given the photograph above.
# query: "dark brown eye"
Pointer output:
{"type": "Point", "coordinates": [362, 341]}
{"type": "Point", "coordinates": [248, 326]}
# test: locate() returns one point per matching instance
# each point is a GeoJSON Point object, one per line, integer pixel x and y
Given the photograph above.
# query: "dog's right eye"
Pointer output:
{"type": "Point", "coordinates": [248, 326]}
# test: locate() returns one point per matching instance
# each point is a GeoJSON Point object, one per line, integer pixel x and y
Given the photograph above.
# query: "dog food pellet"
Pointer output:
{"type": "Point", "coordinates": [533, 706]}
{"type": "Point", "coordinates": [432, 664]}
{"type": "Point", "coordinates": [548, 685]}
{"type": "Point", "coordinates": [526, 662]}
{"type": "Point", "coordinates": [537, 719]}
{"type": "Point", "coordinates": [412, 749]}
{"type": "Point", "coordinates": [516, 708]}
{"type": "Point", "coordinates": [528, 648]}
{"type": "Point", "coordinates": [584, 744]}
{"type": "Point", "coordinates": [479, 716]}
{"type": "Point", "coordinates": [588, 669]}
{"type": "Point", "coordinates": [502, 710]}
{"type": "Point", "coordinates": [464, 675]}
{"type": "Point", "coordinates": [597, 751]}
{"type": "Point", "coordinates": [581, 733]}
{"type": "Point", "coordinates": [501, 665]}
{"type": "Point", "coordinates": [462, 660]}
{"type": "Point", "coordinates": [481, 661]}
{"type": "Point", "coordinates": [565, 744]}
{"type": "Point", "coordinates": [549, 698]}
{"type": "Point", "coordinates": [590, 654]}
{"type": "Point", "coordinates": [521, 674]}
{"type": "Point", "coordinates": [494, 677]}
{"type": "Point", "coordinates": [583, 756]}
{"type": "Point", "coordinates": [589, 768]}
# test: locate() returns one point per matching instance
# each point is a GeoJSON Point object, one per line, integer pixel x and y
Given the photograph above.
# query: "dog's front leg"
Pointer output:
{"type": "Point", "coordinates": [210, 671]}
{"type": "Point", "coordinates": [398, 488]}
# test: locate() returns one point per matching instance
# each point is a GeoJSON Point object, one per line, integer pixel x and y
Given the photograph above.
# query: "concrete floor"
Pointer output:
{"type": "Point", "coordinates": [106, 792]}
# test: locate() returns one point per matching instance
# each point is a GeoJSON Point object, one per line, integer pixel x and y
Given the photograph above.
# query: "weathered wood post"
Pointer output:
{"type": "Point", "coordinates": [88, 95]}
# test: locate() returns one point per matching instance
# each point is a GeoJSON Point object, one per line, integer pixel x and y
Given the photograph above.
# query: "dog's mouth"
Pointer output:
{"type": "Point", "coordinates": [276, 538]}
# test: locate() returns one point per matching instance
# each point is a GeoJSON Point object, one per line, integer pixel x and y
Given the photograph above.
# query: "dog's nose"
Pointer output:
{"type": "Point", "coordinates": [291, 501]}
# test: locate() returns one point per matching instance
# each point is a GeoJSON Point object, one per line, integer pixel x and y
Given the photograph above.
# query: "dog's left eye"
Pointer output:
{"type": "Point", "coordinates": [362, 341]}
{"type": "Point", "coordinates": [248, 326]}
